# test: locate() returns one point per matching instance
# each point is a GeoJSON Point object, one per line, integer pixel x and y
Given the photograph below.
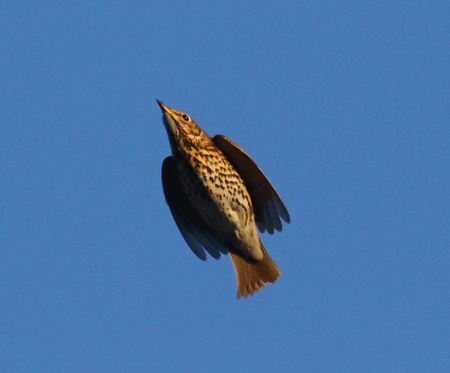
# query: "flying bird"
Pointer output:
{"type": "Point", "coordinates": [219, 198]}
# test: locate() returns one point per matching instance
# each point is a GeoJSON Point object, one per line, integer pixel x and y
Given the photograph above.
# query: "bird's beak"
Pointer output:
{"type": "Point", "coordinates": [163, 107]}
{"type": "Point", "coordinates": [168, 118]}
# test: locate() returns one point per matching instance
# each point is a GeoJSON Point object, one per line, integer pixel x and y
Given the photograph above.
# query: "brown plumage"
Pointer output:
{"type": "Point", "coordinates": [218, 198]}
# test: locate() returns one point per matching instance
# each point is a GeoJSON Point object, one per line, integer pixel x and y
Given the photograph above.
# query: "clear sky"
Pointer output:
{"type": "Point", "coordinates": [343, 104]}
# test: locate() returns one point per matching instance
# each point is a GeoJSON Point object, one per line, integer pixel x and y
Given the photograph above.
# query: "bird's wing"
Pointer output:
{"type": "Point", "coordinates": [267, 204]}
{"type": "Point", "coordinates": [195, 231]}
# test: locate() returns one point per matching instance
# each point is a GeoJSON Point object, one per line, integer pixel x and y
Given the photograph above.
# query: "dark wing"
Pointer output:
{"type": "Point", "coordinates": [268, 206]}
{"type": "Point", "coordinates": [195, 231]}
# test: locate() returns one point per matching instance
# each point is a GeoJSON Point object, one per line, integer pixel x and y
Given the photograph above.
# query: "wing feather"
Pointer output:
{"type": "Point", "coordinates": [193, 228]}
{"type": "Point", "coordinates": [267, 204]}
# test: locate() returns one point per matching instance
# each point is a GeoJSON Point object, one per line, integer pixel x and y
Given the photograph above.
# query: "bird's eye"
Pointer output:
{"type": "Point", "coordinates": [186, 117]}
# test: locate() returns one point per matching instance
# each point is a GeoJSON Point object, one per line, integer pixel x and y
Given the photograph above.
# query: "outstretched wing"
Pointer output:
{"type": "Point", "coordinates": [267, 204]}
{"type": "Point", "coordinates": [195, 231]}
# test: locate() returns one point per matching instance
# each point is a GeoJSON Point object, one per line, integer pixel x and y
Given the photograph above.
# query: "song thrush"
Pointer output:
{"type": "Point", "coordinates": [218, 198]}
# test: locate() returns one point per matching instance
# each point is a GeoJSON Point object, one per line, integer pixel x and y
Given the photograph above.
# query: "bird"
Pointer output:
{"type": "Point", "coordinates": [219, 199]}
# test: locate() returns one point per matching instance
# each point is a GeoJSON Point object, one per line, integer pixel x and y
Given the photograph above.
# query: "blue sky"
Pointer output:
{"type": "Point", "coordinates": [344, 105]}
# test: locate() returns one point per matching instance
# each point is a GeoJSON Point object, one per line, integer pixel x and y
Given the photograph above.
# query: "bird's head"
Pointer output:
{"type": "Point", "coordinates": [181, 128]}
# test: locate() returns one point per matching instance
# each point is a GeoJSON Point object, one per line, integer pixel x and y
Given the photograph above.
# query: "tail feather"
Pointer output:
{"type": "Point", "coordinates": [253, 276]}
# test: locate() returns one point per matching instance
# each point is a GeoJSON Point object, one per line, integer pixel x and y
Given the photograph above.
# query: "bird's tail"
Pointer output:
{"type": "Point", "coordinates": [253, 276]}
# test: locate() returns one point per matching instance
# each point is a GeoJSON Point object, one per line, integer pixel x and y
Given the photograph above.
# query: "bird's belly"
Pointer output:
{"type": "Point", "coordinates": [221, 198]}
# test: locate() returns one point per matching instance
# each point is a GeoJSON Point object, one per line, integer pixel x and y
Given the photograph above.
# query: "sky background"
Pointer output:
{"type": "Point", "coordinates": [344, 105]}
